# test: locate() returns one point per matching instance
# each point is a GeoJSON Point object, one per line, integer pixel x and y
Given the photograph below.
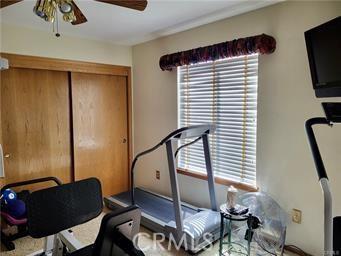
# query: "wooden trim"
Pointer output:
{"type": "Point", "coordinates": [130, 123]}
{"type": "Point", "coordinates": [218, 180]}
{"type": "Point", "coordinates": [72, 132]}
{"type": "Point", "coordinates": [2, 179]}
{"type": "Point", "coordinates": [24, 61]}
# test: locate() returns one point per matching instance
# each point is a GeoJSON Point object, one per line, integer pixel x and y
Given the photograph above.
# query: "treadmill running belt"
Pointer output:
{"type": "Point", "coordinates": [156, 206]}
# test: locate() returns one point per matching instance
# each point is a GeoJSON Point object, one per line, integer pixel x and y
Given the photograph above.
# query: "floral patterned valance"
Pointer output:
{"type": "Point", "coordinates": [262, 44]}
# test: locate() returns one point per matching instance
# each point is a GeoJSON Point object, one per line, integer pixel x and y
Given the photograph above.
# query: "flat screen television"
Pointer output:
{"type": "Point", "coordinates": [324, 53]}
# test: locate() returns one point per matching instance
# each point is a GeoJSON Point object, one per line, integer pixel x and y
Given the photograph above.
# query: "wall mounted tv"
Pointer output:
{"type": "Point", "coordinates": [324, 54]}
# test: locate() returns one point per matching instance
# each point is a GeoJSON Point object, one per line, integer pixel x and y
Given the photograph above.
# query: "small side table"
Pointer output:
{"type": "Point", "coordinates": [226, 219]}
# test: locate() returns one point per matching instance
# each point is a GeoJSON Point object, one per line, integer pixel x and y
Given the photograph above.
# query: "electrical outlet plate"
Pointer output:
{"type": "Point", "coordinates": [296, 216]}
{"type": "Point", "coordinates": [157, 174]}
{"type": "Point", "coordinates": [3, 64]}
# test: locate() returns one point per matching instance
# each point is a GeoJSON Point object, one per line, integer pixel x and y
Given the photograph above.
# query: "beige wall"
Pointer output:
{"type": "Point", "coordinates": [27, 41]}
{"type": "Point", "coordinates": [284, 164]}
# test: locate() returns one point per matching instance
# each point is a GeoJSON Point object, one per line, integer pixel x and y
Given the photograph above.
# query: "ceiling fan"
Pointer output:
{"type": "Point", "coordinates": [47, 9]}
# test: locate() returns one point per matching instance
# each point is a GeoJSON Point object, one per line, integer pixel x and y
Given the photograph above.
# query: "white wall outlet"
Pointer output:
{"type": "Point", "coordinates": [3, 64]}
{"type": "Point", "coordinates": [296, 216]}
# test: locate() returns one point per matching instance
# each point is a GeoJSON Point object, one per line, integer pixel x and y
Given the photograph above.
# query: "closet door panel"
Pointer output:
{"type": "Point", "coordinates": [100, 128]}
{"type": "Point", "coordinates": [35, 123]}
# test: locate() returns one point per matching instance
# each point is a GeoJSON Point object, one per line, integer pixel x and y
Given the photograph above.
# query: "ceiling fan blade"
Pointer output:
{"type": "Point", "coordinates": [4, 3]}
{"type": "Point", "coordinates": [139, 5]}
{"type": "Point", "coordinates": [80, 17]}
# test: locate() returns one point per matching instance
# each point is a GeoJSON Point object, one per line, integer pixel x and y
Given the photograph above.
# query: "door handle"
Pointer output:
{"type": "Point", "coordinates": [124, 140]}
{"type": "Point", "coordinates": [7, 155]}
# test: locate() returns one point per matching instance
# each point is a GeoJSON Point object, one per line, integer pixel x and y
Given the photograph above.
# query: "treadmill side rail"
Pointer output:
{"type": "Point", "coordinates": [175, 189]}
{"type": "Point", "coordinates": [210, 176]}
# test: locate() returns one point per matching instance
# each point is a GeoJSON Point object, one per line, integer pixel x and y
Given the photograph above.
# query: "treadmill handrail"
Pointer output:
{"type": "Point", "coordinates": [321, 171]}
{"type": "Point", "coordinates": [186, 145]}
{"type": "Point", "coordinates": [190, 131]}
{"type": "Point", "coordinates": [132, 185]}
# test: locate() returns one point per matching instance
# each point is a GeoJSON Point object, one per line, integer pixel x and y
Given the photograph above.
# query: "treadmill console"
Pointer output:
{"type": "Point", "coordinates": [332, 111]}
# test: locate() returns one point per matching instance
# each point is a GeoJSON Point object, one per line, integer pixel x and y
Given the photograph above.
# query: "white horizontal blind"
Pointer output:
{"type": "Point", "coordinates": [222, 92]}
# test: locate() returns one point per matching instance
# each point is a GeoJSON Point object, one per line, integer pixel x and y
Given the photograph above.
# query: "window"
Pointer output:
{"type": "Point", "coordinates": [222, 92]}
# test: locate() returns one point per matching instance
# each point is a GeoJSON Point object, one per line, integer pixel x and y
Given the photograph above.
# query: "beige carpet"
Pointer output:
{"type": "Point", "coordinates": [87, 233]}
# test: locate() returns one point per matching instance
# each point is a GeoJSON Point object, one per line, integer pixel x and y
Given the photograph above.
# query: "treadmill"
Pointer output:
{"type": "Point", "coordinates": [191, 227]}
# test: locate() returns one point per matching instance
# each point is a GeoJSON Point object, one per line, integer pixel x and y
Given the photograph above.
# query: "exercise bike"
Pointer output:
{"type": "Point", "coordinates": [332, 225]}
{"type": "Point", "coordinates": [323, 48]}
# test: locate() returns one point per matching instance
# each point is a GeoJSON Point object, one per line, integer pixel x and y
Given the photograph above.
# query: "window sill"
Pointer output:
{"type": "Point", "coordinates": [218, 180]}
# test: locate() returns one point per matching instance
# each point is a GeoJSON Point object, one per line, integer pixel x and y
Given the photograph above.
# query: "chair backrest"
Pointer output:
{"type": "Point", "coordinates": [117, 233]}
{"type": "Point", "coordinates": [55, 209]}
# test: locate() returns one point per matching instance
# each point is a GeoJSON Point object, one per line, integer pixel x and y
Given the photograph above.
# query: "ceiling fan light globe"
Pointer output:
{"type": "Point", "coordinates": [65, 8]}
{"type": "Point", "coordinates": [38, 10]}
{"type": "Point", "coordinates": [39, 13]}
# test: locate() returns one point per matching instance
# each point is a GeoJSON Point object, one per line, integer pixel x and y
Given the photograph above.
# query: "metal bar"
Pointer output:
{"type": "Point", "coordinates": [323, 179]}
{"type": "Point", "coordinates": [70, 241]}
{"type": "Point", "coordinates": [182, 133]}
{"type": "Point", "coordinates": [210, 176]}
{"type": "Point", "coordinates": [132, 182]}
{"type": "Point", "coordinates": [34, 181]}
{"type": "Point", "coordinates": [49, 244]}
{"type": "Point", "coordinates": [321, 171]}
{"type": "Point", "coordinates": [328, 217]}
{"type": "Point", "coordinates": [186, 145]}
{"type": "Point", "coordinates": [222, 231]}
{"type": "Point", "coordinates": [249, 234]}
{"type": "Point", "coordinates": [229, 223]}
{"type": "Point", "coordinates": [175, 189]}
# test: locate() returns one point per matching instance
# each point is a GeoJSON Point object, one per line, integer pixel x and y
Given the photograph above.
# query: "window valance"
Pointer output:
{"type": "Point", "coordinates": [262, 44]}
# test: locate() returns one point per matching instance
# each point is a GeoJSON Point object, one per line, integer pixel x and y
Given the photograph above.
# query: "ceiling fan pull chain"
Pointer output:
{"type": "Point", "coordinates": [57, 24]}
{"type": "Point", "coordinates": [53, 26]}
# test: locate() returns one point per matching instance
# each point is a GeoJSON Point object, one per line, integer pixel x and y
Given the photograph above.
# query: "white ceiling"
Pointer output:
{"type": "Point", "coordinates": [128, 27]}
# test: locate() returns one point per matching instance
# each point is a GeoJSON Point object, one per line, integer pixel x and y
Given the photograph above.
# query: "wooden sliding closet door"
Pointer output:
{"type": "Point", "coordinates": [100, 128]}
{"type": "Point", "coordinates": [35, 124]}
